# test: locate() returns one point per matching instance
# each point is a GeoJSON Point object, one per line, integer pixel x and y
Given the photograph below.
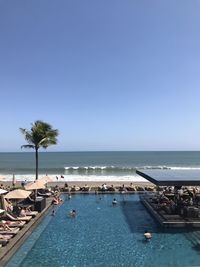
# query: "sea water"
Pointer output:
{"type": "Point", "coordinates": [94, 166]}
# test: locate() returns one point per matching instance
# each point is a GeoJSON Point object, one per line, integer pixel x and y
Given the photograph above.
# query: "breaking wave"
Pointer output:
{"type": "Point", "coordinates": [117, 169]}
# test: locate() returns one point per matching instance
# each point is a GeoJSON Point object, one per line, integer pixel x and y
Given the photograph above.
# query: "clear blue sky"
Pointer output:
{"type": "Point", "coordinates": [109, 74]}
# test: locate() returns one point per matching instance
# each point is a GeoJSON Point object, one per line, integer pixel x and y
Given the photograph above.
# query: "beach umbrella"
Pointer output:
{"type": "Point", "coordinates": [46, 179]}
{"type": "Point", "coordinates": [17, 194]}
{"type": "Point", "coordinates": [37, 184]}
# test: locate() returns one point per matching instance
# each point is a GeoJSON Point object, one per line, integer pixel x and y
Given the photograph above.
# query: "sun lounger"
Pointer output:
{"type": "Point", "coordinates": [85, 189]}
{"type": "Point", "coordinates": [66, 189]}
{"type": "Point", "coordinates": [4, 239]}
{"type": "Point", "coordinates": [24, 218]}
{"type": "Point", "coordinates": [111, 189]}
{"type": "Point", "coordinates": [75, 188]}
{"type": "Point", "coordinates": [12, 224]}
{"type": "Point", "coordinates": [31, 213]}
{"type": "Point", "coordinates": [102, 189]}
{"type": "Point", "coordinates": [3, 242]}
{"type": "Point", "coordinates": [122, 188]}
{"type": "Point", "coordinates": [13, 231]}
{"type": "Point", "coordinates": [129, 188]}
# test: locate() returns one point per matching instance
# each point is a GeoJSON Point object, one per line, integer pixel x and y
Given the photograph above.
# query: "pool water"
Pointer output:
{"type": "Point", "coordinates": [105, 235]}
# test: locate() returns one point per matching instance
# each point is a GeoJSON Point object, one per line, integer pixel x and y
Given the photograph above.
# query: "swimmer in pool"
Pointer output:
{"type": "Point", "coordinates": [72, 213]}
{"type": "Point", "coordinates": [114, 202]}
{"type": "Point", "coordinates": [147, 235]}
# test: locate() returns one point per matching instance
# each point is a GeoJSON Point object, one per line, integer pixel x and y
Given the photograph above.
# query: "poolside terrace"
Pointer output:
{"type": "Point", "coordinates": [177, 203]}
{"type": "Point", "coordinates": [17, 240]}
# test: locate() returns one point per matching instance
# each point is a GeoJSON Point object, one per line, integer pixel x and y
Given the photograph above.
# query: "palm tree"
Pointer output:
{"type": "Point", "coordinates": [41, 135]}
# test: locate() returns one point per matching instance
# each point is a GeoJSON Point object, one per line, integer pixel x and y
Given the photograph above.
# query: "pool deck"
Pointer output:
{"type": "Point", "coordinates": [168, 220]}
{"type": "Point", "coordinates": [7, 251]}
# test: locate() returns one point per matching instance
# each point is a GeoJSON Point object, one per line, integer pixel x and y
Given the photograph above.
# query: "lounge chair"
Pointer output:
{"type": "Point", "coordinates": [130, 188]}
{"type": "Point", "coordinates": [140, 188]}
{"type": "Point", "coordinates": [111, 188]}
{"type": "Point", "coordinates": [85, 189]}
{"type": "Point", "coordinates": [66, 188]}
{"type": "Point", "coordinates": [21, 212]}
{"type": "Point", "coordinates": [13, 218]}
{"type": "Point", "coordinates": [122, 189]}
{"type": "Point", "coordinates": [4, 239]}
{"type": "Point", "coordinates": [75, 188]}
{"type": "Point", "coordinates": [13, 231]}
{"type": "Point", "coordinates": [102, 189]}
{"type": "Point", "coordinates": [12, 224]}
{"type": "Point", "coordinates": [31, 213]}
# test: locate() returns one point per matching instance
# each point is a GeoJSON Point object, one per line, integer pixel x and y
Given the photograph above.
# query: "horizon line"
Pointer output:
{"type": "Point", "coordinates": [83, 151]}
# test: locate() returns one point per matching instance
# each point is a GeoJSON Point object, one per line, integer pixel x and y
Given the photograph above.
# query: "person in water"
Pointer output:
{"type": "Point", "coordinates": [72, 213]}
{"type": "Point", "coordinates": [147, 235]}
{"type": "Point", "coordinates": [114, 202]}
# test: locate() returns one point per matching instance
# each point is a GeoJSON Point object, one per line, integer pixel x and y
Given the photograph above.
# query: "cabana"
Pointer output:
{"type": "Point", "coordinates": [181, 207]}
{"type": "Point", "coordinates": [172, 177]}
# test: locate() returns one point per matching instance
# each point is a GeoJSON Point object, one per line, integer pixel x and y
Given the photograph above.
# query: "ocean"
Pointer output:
{"type": "Point", "coordinates": [94, 166]}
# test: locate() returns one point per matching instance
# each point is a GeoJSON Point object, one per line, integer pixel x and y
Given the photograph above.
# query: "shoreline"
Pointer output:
{"type": "Point", "coordinates": [60, 184]}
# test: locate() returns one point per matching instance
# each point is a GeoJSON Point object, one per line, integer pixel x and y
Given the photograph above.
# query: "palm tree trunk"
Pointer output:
{"type": "Point", "coordinates": [36, 162]}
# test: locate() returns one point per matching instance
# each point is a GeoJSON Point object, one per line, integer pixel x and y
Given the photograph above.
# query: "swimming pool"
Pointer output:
{"type": "Point", "coordinates": [105, 235]}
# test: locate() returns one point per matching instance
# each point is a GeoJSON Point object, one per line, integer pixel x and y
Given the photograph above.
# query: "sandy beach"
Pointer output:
{"type": "Point", "coordinates": [82, 183]}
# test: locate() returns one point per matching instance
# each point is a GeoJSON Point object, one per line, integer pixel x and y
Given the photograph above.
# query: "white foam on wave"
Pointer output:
{"type": "Point", "coordinates": [184, 168]}
{"type": "Point", "coordinates": [116, 168]}
{"type": "Point", "coordinates": [159, 167]}
{"type": "Point", "coordinates": [88, 167]}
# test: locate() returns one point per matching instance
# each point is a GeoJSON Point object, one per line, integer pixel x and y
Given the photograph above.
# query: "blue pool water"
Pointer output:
{"type": "Point", "coordinates": [105, 235]}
